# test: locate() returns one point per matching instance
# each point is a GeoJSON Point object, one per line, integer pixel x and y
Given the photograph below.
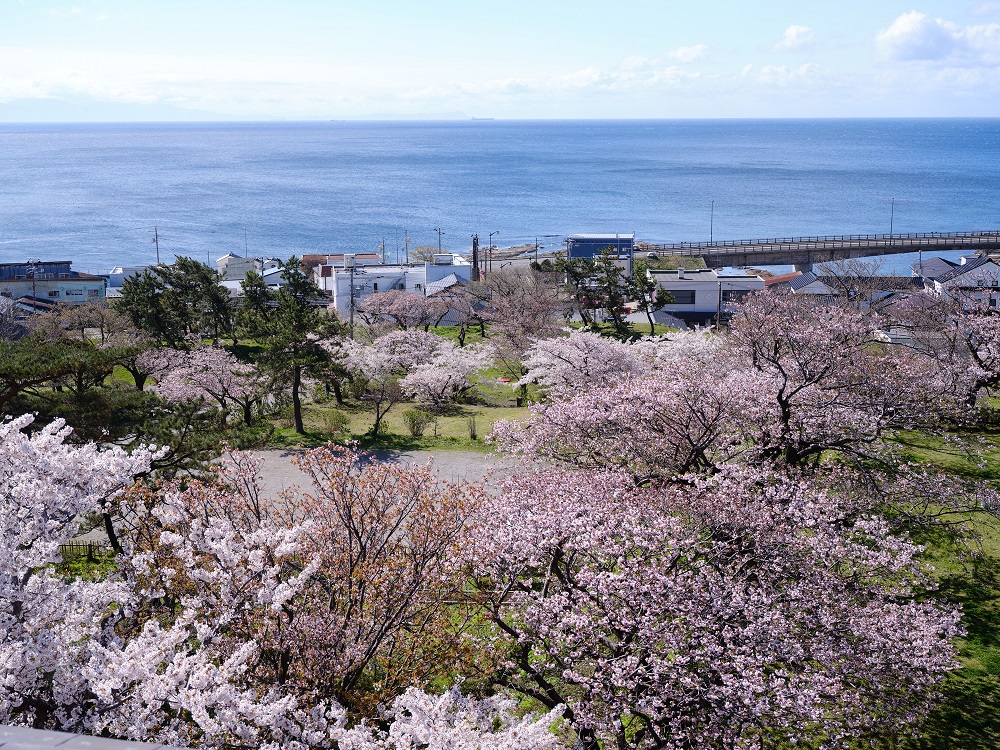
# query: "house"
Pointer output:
{"type": "Point", "coordinates": [699, 295]}
{"type": "Point", "coordinates": [433, 277]}
{"type": "Point", "coordinates": [976, 279]}
{"type": "Point", "coordinates": [930, 268]}
{"type": "Point", "coordinates": [801, 282]}
{"type": "Point", "coordinates": [51, 281]}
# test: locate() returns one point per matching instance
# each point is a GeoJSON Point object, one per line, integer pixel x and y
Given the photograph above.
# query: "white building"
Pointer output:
{"type": "Point", "coordinates": [50, 282]}
{"type": "Point", "coordinates": [335, 278]}
{"type": "Point", "coordinates": [698, 295]}
{"type": "Point", "coordinates": [975, 277]}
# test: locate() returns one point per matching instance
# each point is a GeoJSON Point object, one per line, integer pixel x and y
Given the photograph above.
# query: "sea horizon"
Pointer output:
{"type": "Point", "coordinates": [92, 192]}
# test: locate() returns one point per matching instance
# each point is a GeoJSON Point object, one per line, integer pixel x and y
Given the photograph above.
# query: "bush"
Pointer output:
{"type": "Point", "coordinates": [417, 421]}
{"type": "Point", "coordinates": [336, 422]}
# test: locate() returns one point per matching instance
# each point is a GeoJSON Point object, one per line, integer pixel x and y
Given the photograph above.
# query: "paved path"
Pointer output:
{"type": "Point", "coordinates": [278, 473]}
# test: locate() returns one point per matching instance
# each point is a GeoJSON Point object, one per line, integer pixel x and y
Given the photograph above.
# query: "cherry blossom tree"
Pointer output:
{"type": "Point", "coordinates": [180, 644]}
{"type": "Point", "coordinates": [702, 615]}
{"type": "Point", "coordinates": [214, 374]}
{"type": "Point", "coordinates": [449, 375]}
{"type": "Point", "coordinates": [440, 370]}
{"type": "Point", "coordinates": [661, 423]}
{"type": "Point", "coordinates": [580, 358]}
{"type": "Point", "coordinates": [406, 309]}
{"type": "Point", "coordinates": [825, 384]}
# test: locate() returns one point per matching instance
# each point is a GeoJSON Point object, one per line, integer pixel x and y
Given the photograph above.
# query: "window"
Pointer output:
{"type": "Point", "coordinates": [54, 293]}
{"type": "Point", "coordinates": [374, 286]}
{"type": "Point", "coordinates": [734, 295]}
{"type": "Point", "coordinates": [73, 292]}
{"type": "Point", "coordinates": [93, 292]}
{"type": "Point", "coordinates": [682, 296]}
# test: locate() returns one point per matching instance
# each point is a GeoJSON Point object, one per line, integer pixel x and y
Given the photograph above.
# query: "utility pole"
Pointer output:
{"type": "Point", "coordinates": [892, 215]}
{"type": "Point", "coordinates": [711, 225]}
{"type": "Point", "coordinates": [246, 249]}
{"type": "Point", "coordinates": [496, 231]}
{"type": "Point", "coordinates": [34, 274]}
{"type": "Point", "coordinates": [383, 249]}
{"type": "Point", "coordinates": [156, 241]}
{"type": "Point", "coordinates": [536, 250]}
{"type": "Point", "coordinates": [349, 262]}
{"type": "Point", "coordinates": [406, 242]}
{"type": "Point", "coordinates": [718, 310]}
{"type": "Point", "coordinates": [475, 257]}
{"type": "Point", "coordinates": [436, 229]}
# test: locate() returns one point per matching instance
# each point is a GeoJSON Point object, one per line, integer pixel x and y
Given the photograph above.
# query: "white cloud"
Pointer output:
{"type": "Point", "coordinates": [916, 36]}
{"type": "Point", "coordinates": [688, 54]}
{"type": "Point", "coordinates": [984, 9]}
{"type": "Point", "coordinates": [807, 74]}
{"type": "Point", "coordinates": [683, 55]}
{"type": "Point", "coordinates": [796, 38]}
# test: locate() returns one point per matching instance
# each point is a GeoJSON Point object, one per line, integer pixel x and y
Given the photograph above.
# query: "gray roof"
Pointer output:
{"type": "Point", "coordinates": [441, 284]}
{"type": "Point", "coordinates": [957, 271]}
{"type": "Point", "coordinates": [932, 268]}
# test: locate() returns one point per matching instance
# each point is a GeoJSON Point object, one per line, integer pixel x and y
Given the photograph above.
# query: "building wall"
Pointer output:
{"type": "Point", "coordinates": [71, 291]}
{"type": "Point", "coordinates": [703, 288]}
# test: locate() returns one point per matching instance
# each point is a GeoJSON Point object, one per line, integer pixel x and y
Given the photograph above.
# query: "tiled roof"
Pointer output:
{"type": "Point", "coordinates": [782, 278]}
{"type": "Point", "coordinates": [932, 268]}
{"type": "Point", "coordinates": [441, 284]}
{"type": "Point", "coordinates": [963, 269]}
{"type": "Point", "coordinates": [802, 280]}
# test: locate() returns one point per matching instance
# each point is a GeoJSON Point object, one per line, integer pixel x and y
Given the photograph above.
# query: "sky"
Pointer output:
{"type": "Point", "coordinates": [519, 59]}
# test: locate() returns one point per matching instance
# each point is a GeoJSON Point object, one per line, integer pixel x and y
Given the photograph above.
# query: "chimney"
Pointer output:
{"type": "Point", "coordinates": [680, 273]}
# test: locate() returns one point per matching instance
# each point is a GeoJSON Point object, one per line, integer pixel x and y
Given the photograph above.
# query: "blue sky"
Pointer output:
{"type": "Point", "coordinates": [296, 59]}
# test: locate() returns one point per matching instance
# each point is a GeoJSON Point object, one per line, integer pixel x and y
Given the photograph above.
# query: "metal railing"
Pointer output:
{"type": "Point", "coordinates": [838, 241]}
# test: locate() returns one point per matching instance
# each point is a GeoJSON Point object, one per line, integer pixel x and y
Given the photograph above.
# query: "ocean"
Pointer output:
{"type": "Point", "coordinates": [94, 193]}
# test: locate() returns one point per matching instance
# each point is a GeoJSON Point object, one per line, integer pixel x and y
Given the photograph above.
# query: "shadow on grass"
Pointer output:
{"type": "Point", "coordinates": [969, 715]}
{"type": "Point", "coordinates": [968, 718]}
{"type": "Point", "coordinates": [288, 439]}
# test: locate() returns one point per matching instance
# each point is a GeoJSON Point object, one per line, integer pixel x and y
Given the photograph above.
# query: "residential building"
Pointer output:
{"type": "Point", "coordinates": [801, 282]}
{"type": "Point", "coordinates": [50, 282]}
{"type": "Point", "coordinates": [433, 277]}
{"type": "Point", "coordinates": [699, 295]}
{"type": "Point", "coordinates": [976, 277]}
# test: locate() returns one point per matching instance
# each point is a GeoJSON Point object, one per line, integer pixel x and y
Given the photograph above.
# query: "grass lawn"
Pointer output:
{"type": "Point", "coordinates": [452, 431]}
{"type": "Point", "coordinates": [969, 717]}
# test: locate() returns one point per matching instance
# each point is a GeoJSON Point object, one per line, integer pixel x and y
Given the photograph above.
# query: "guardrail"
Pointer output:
{"type": "Point", "coordinates": [834, 241]}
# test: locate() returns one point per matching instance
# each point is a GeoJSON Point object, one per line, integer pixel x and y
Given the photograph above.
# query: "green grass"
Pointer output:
{"type": "Point", "coordinates": [969, 716]}
{"type": "Point", "coordinates": [452, 427]}
{"type": "Point", "coordinates": [968, 575]}
{"type": "Point", "coordinates": [970, 455]}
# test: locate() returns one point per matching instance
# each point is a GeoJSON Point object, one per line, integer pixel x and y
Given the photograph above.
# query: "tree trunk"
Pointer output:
{"type": "Point", "coordinates": [337, 392]}
{"type": "Point", "coordinates": [109, 528]}
{"type": "Point", "coordinates": [296, 399]}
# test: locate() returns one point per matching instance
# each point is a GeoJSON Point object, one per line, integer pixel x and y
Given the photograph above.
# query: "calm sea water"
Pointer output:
{"type": "Point", "coordinates": [93, 193]}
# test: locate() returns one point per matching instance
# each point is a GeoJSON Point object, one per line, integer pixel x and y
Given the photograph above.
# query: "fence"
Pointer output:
{"type": "Point", "coordinates": [90, 550]}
